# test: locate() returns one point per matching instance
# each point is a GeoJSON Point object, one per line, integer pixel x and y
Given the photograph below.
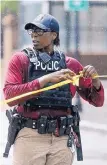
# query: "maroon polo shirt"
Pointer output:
{"type": "Point", "coordinates": [15, 83]}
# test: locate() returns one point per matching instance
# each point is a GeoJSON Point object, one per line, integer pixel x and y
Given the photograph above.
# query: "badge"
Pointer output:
{"type": "Point", "coordinates": [34, 59]}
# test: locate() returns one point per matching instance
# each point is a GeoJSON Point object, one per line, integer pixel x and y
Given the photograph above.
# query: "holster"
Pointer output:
{"type": "Point", "coordinates": [76, 129]}
{"type": "Point", "coordinates": [13, 129]}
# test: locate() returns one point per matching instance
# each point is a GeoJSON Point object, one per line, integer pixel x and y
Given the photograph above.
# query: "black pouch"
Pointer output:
{"type": "Point", "coordinates": [69, 124]}
{"type": "Point", "coordinates": [41, 124]}
{"type": "Point", "coordinates": [62, 125]}
{"type": "Point", "coordinates": [51, 126]}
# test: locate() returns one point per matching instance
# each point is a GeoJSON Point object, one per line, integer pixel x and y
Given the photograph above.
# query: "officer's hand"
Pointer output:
{"type": "Point", "coordinates": [56, 77]}
{"type": "Point", "coordinates": [90, 71]}
{"type": "Point", "coordinates": [61, 75]}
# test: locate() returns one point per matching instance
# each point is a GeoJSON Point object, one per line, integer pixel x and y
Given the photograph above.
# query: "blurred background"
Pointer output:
{"type": "Point", "coordinates": [83, 35]}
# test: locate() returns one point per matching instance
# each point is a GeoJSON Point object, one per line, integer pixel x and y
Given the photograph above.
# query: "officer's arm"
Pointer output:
{"type": "Point", "coordinates": [43, 80]}
{"type": "Point", "coordinates": [91, 94]}
{"type": "Point", "coordinates": [14, 85]}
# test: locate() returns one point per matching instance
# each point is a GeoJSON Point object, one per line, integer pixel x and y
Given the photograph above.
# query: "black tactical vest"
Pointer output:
{"type": "Point", "coordinates": [40, 65]}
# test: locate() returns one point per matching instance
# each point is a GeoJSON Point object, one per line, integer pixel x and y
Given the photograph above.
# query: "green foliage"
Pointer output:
{"type": "Point", "coordinates": [9, 5]}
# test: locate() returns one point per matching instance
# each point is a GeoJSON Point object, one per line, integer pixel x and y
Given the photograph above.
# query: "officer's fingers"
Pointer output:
{"type": "Point", "coordinates": [70, 72]}
{"type": "Point", "coordinates": [86, 70]}
{"type": "Point", "coordinates": [65, 77]}
{"type": "Point", "coordinates": [66, 70]}
{"type": "Point", "coordinates": [67, 73]}
{"type": "Point", "coordinates": [92, 72]}
{"type": "Point", "coordinates": [86, 67]}
{"type": "Point", "coordinates": [62, 77]}
{"type": "Point", "coordinates": [69, 77]}
{"type": "Point", "coordinates": [63, 71]}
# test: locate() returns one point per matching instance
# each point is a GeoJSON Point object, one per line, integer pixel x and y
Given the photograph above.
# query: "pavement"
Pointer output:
{"type": "Point", "coordinates": [93, 128]}
{"type": "Point", "coordinates": [94, 148]}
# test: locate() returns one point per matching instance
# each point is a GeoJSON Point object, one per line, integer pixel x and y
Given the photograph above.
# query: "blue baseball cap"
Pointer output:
{"type": "Point", "coordinates": [45, 22]}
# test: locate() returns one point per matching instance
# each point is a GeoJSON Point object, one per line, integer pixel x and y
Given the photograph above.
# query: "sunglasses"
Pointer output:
{"type": "Point", "coordinates": [40, 32]}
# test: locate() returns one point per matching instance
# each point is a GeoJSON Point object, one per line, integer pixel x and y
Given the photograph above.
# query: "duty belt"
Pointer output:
{"type": "Point", "coordinates": [58, 126]}
{"type": "Point", "coordinates": [65, 125]}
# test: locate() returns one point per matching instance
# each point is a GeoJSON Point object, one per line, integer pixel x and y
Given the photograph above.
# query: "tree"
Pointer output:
{"type": "Point", "coordinates": [9, 6]}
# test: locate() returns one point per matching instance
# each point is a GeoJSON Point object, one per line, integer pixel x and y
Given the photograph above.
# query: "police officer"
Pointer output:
{"type": "Point", "coordinates": [43, 137]}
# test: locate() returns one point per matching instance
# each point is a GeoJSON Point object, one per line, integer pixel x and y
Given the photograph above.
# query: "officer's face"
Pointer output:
{"type": "Point", "coordinates": [41, 38]}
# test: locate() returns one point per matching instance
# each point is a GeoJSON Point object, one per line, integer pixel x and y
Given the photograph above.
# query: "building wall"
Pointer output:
{"type": "Point", "coordinates": [98, 61]}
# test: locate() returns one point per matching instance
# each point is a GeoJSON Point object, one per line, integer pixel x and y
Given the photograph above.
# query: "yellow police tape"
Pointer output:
{"type": "Point", "coordinates": [74, 81]}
